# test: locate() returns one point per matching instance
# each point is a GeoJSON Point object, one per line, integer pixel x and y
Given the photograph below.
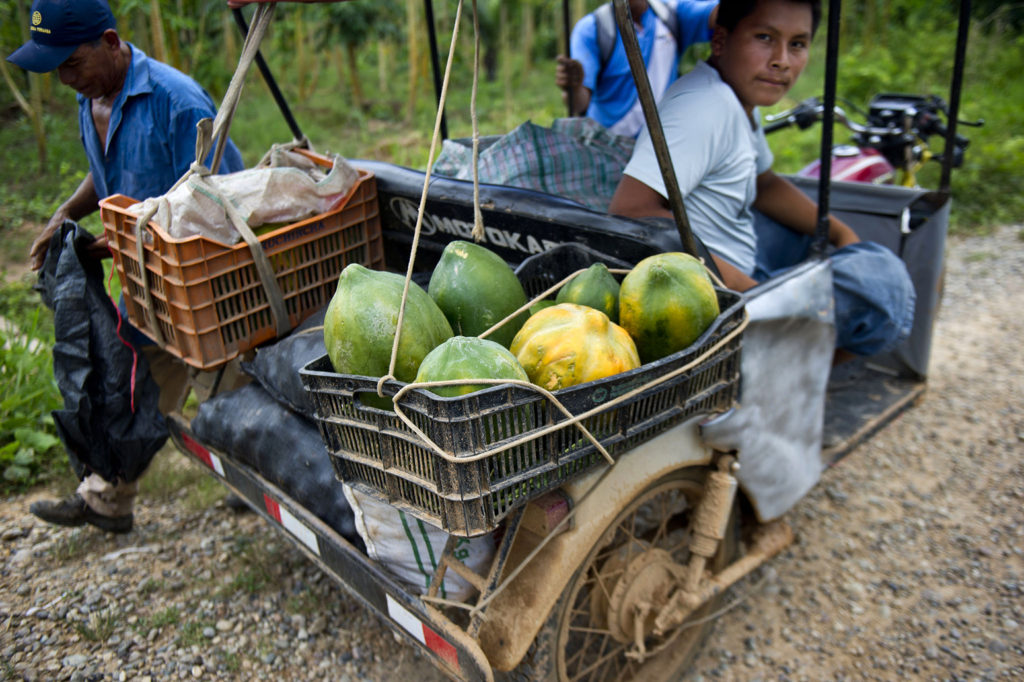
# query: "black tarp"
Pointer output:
{"type": "Point", "coordinates": [103, 431]}
{"type": "Point", "coordinates": [276, 366]}
{"type": "Point", "coordinates": [257, 431]}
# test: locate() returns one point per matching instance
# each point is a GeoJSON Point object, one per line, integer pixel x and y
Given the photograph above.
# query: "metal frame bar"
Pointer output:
{"type": "Point", "coordinates": [435, 62]}
{"type": "Point", "coordinates": [963, 26]}
{"type": "Point", "coordinates": [624, 20]}
{"type": "Point", "coordinates": [828, 119]}
{"type": "Point", "coordinates": [268, 78]}
{"type": "Point", "coordinates": [567, 34]}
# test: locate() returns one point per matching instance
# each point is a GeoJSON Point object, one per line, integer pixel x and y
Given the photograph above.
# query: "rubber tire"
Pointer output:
{"type": "Point", "coordinates": [540, 662]}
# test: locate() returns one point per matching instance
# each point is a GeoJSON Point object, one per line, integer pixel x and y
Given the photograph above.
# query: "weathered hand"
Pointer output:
{"type": "Point", "coordinates": [98, 249]}
{"type": "Point", "coordinates": [568, 73]}
{"type": "Point", "coordinates": [37, 254]}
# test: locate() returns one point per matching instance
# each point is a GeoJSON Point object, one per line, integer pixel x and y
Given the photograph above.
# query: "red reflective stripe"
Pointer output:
{"type": "Point", "coordinates": [273, 508]}
{"type": "Point", "coordinates": [198, 450]}
{"type": "Point", "coordinates": [441, 647]}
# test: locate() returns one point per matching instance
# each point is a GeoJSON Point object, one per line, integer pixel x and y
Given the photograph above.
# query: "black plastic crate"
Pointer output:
{"type": "Point", "coordinates": [376, 452]}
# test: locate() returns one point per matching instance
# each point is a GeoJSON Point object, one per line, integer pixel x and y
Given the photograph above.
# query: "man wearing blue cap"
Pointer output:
{"type": "Point", "coordinates": [137, 118]}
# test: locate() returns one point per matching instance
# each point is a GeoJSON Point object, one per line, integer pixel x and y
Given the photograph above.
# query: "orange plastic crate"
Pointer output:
{"type": "Point", "coordinates": [208, 299]}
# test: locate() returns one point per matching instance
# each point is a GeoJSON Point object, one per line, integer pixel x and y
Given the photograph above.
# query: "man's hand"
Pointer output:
{"type": "Point", "coordinates": [37, 254]}
{"type": "Point", "coordinates": [568, 73]}
{"type": "Point", "coordinates": [569, 77]}
{"type": "Point", "coordinates": [98, 249]}
{"type": "Point", "coordinates": [80, 204]}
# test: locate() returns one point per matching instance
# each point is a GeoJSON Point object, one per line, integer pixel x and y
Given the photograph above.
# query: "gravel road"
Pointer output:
{"type": "Point", "coordinates": [908, 565]}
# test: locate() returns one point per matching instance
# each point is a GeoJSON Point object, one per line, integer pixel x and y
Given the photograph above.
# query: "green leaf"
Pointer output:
{"type": "Point", "coordinates": [40, 441]}
{"type": "Point", "coordinates": [26, 457]}
{"type": "Point", "coordinates": [16, 472]}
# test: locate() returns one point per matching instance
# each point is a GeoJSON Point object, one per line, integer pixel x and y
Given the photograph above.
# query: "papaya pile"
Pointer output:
{"type": "Point", "coordinates": [594, 327]}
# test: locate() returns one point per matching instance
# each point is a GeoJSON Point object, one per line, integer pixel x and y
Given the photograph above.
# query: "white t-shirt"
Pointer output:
{"type": "Point", "coordinates": [717, 154]}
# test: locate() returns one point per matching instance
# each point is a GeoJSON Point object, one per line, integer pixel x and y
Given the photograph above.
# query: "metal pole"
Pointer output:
{"type": "Point", "coordinates": [828, 119]}
{"type": "Point", "coordinates": [268, 78]}
{"type": "Point", "coordinates": [624, 19]}
{"type": "Point", "coordinates": [435, 62]}
{"type": "Point", "coordinates": [567, 30]}
{"type": "Point", "coordinates": [954, 95]}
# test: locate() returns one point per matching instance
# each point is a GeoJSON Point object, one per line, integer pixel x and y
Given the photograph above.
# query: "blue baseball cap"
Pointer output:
{"type": "Point", "coordinates": [57, 28]}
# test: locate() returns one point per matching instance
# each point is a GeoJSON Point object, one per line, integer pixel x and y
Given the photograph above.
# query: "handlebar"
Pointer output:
{"type": "Point", "coordinates": [810, 111]}
{"type": "Point", "coordinates": [895, 122]}
{"type": "Point", "coordinates": [925, 121]}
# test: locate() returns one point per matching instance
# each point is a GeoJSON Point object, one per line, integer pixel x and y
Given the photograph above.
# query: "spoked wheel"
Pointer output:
{"type": "Point", "coordinates": [613, 599]}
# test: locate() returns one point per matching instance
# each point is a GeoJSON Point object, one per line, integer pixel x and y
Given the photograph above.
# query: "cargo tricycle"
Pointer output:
{"type": "Point", "coordinates": [619, 511]}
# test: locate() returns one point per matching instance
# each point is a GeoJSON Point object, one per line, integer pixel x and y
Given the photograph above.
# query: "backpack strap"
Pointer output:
{"type": "Point", "coordinates": [668, 17]}
{"type": "Point", "coordinates": [608, 30]}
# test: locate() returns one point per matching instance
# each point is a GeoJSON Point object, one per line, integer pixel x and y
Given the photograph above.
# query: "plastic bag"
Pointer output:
{"type": "Point", "coordinates": [103, 429]}
{"type": "Point", "coordinates": [289, 189]}
{"type": "Point", "coordinates": [256, 431]}
{"type": "Point", "coordinates": [276, 366]}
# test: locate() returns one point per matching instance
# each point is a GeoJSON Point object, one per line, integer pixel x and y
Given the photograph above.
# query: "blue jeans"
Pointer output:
{"type": "Point", "coordinates": [873, 294]}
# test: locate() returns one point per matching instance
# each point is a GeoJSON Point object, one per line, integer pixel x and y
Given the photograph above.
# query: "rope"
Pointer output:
{"type": "Point", "coordinates": [572, 420]}
{"type": "Point", "coordinates": [423, 201]}
{"type": "Point", "coordinates": [478, 216]}
{"type": "Point", "coordinates": [140, 253]}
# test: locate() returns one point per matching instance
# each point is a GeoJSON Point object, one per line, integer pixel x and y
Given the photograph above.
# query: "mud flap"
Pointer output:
{"type": "Point", "coordinates": [787, 353]}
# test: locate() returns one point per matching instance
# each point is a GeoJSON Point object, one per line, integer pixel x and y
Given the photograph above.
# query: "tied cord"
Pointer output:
{"type": "Point", "coordinates": [423, 201]}
{"type": "Point", "coordinates": [478, 216]}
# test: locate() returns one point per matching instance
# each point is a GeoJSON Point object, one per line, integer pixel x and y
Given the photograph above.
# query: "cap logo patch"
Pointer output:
{"type": "Point", "coordinates": [37, 19]}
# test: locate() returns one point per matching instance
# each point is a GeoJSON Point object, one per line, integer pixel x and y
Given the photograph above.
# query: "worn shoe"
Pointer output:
{"type": "Point", "coordinates": [73, 511]}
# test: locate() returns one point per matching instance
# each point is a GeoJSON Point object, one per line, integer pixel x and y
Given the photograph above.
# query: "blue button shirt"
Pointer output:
{"type": "Point", "coordinates": [151, 138]}
{"type": "Point", "coordinates": [614, 96]}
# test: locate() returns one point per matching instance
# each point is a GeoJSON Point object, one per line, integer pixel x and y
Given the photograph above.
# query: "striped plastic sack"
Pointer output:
{"type": "Point", "coordinates": [576, 158]}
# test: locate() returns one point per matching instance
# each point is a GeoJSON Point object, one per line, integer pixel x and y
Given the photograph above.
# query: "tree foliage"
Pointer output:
{"type": "Point", "coordinates": [325, 52]}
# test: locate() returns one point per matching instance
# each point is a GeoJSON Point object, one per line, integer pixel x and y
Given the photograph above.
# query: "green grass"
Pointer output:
{"type": "Point", "coordinates": [231, 659]}
{"type": "Point", "coordinates": [29, 448]}
{"type": "Point", "coordinates": [172, 475]}
{"type": "Point", "coordinates": [168, 616]}
{"type": "Point", "coordinates": [70, 547]}
{"type": "Point", "coordinates": [258, 565]}
{"type": "Point", "coordinates": [305, 602]}
{"type": "Point", "coordinates": [99, 626]}
{"type": "Point", "coordinates": [151, 585]}
{"type": "Point", "coordinates": [191, 633]}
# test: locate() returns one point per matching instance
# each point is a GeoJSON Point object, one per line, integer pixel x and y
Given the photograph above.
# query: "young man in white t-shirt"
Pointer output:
{"type": "Point", "coordinates": [723, 165]}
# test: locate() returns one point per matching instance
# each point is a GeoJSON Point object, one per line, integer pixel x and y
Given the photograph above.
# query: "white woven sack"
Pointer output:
{"type": "Point", "coordinates": [411, 548]}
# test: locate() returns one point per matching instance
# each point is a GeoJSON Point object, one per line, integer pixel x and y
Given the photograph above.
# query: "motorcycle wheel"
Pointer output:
{"type": "Point", "coordinates": [587, 634]}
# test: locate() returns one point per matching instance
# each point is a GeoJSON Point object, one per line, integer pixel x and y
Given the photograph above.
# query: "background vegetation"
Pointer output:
{"type": "Point", "coordinates": [359, 83]}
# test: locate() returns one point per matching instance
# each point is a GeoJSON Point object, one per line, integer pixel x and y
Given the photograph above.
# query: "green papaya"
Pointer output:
{"type": "Point", "coordinates": [476, 289]}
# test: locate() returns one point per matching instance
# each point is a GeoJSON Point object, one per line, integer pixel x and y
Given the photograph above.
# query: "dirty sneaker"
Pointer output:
{"type": "Point", "coordinates": [73, 511]}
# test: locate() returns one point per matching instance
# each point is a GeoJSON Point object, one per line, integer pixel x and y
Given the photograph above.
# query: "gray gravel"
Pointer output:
{"type": "Point", "coordinates": [909, 562]}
